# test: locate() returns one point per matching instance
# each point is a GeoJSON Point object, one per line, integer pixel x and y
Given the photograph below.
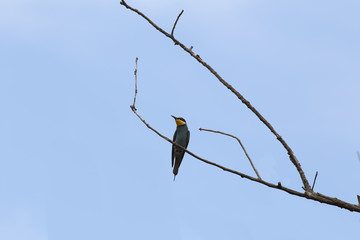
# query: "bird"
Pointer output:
{"type": "Point", "coordinates": [181, 137]}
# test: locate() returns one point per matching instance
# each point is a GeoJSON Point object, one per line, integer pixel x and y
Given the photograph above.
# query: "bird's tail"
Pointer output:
{"type": "Point", "coordinates": [175, 171]}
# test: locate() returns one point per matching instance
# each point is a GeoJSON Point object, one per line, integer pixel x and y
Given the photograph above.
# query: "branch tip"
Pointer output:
{"type": "Point", "coordinates": [135, 73]}
{"type": "Point", "coordinates": [177, 19]}
{"type": "Point", "coordinates": [312, 189]}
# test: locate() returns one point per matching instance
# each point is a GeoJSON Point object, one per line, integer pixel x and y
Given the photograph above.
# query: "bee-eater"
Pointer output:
{"type": "Point", "coordinates": [181, 137]}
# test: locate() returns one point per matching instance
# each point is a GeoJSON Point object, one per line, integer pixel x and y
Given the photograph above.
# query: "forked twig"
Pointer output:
{"type": "Point", "coordinates": [242, 146]}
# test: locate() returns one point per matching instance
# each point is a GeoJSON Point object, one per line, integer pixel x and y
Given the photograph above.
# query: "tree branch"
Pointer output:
{"type": "Point", "coordinates": [227, 134]}
{"type": "Point", "coordinates": [292, 157]}
{"type": "Point", "coordinates": [309, 195]}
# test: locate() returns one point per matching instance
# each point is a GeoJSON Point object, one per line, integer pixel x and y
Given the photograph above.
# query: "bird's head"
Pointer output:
{"type": "Point", "coordinates": [179, 120]}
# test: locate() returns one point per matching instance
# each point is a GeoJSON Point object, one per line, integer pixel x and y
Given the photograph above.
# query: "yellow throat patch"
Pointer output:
{"type": "Point", "coordinates": [179, 122]}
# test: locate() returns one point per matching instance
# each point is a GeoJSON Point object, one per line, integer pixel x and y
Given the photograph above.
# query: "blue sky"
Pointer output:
{"type": "Point", "coordinates": [76, 163]}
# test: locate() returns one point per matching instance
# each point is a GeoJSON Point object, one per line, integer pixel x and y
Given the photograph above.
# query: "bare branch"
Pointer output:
{"type": "Point", "coordinates": [309, 195]}
{"type": "Point", "coordinates": [314, 181]}
{"type": "Point", "coordinates": [292, 157]}
{"type": "Point", "coordinates": [227, 134]}
{"type": "Point", "coordinates": [177, 19]}
{"type": "Point", "coordinates": [135, 73]}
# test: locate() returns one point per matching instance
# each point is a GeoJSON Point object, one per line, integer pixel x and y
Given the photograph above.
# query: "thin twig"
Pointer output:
{"type": "Point", "coordinates": [135, 73]}
{"type": "Point", "coordinates": [309, 195]}
{"type": "Point", "coordinates": [358, 154]}
{"type": "Point", "coordinates": [314, 181]}
{"type": "Point", "coordinates": [247, 155]}
{"type": "Point", "coordinates": [177, 19]}
{"type": "Point", "coordinates": [358, 197]}
{"type": "Point", "coordinates": [292, 157]}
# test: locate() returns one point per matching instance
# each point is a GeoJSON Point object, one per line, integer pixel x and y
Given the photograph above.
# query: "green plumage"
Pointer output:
{"type": "Point", "coordinates": [181, 137]}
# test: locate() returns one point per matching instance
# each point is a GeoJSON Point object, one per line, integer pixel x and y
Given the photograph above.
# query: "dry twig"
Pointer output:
{"type": "Point", "coordinates": [177, 19]}
{"type": "Point", "coordinates": [247, 155]}
{"type": "Point", "coordinates": [312, 188]}
{"type": "Point", "coordinates": [135, 73]}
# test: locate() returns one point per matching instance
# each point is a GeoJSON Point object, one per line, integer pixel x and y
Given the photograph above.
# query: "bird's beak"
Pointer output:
{"type": "Point", "coordinates": [173, 117]}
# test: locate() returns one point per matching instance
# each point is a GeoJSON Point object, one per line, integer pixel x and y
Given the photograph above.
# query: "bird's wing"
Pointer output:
{"type": "Point", "coordinates": [172, 151]}
{"type": "Point", "coordinates": [186, 144]}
